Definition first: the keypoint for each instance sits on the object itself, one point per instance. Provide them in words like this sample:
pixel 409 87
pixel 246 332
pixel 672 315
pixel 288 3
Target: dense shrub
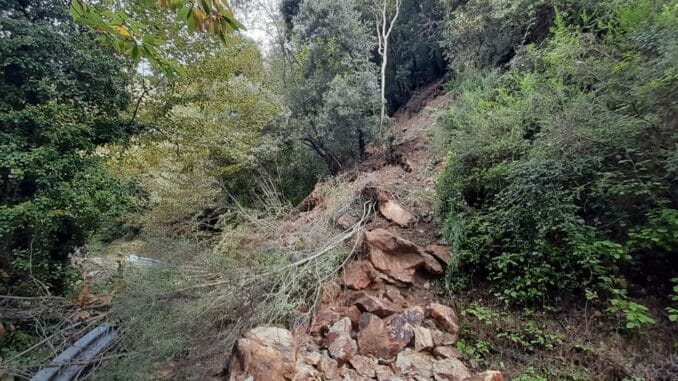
pixel 555 163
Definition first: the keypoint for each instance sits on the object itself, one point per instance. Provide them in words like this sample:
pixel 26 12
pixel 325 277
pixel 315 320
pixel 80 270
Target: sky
pixel 258 18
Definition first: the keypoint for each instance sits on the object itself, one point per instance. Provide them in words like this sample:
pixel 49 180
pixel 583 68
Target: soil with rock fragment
pixel 375 323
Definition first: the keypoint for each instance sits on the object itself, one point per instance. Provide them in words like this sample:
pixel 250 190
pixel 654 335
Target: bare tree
pixel 384 23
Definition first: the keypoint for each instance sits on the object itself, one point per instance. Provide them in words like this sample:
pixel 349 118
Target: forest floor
pixel 565 343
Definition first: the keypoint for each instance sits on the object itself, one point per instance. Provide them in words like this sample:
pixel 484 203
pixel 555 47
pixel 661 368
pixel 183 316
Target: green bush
pixel 556 163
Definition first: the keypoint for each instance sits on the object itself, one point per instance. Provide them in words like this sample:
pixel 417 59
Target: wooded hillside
pixel 535 142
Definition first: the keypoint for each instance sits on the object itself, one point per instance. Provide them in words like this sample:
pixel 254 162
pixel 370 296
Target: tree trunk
pixel 331 161
pixel 384 29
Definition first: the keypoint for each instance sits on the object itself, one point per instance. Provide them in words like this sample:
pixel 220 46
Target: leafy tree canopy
pixel 61 94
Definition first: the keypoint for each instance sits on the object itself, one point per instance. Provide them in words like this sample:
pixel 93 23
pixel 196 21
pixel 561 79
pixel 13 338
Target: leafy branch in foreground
pixel 133 38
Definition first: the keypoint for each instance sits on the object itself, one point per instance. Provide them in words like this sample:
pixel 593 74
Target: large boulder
pixel 394 256
pixel 265 353
pixel 374 338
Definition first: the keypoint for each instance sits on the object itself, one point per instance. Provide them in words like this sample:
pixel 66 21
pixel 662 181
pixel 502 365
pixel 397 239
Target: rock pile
pixel 377 324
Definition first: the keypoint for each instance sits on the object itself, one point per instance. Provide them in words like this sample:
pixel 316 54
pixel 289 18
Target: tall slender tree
pixel 386 14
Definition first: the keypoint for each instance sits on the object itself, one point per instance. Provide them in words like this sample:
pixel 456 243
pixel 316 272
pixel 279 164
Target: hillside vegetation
pixel 157 130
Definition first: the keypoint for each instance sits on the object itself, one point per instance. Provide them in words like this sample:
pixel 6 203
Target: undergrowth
pixel 561 168
pixel 260 270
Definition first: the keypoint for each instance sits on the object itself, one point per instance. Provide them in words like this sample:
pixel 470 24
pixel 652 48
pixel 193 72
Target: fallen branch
pixel 348 234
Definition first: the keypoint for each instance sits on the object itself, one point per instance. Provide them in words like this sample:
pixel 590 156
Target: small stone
pixel 364 366
pixel 392 210
pixel 305 373
pixel 447 352
pixel 440 252
pixel 450 370
pixel 329 367
pixel 323 321
pixel 432 265
pixel 394 295
pixel 313 358
pixel 414 315
pixel 422 339
pixel 349 374
pixel 444 316
pixel 490 375
pixel 385 373
pixel 353 313
pixel 443 338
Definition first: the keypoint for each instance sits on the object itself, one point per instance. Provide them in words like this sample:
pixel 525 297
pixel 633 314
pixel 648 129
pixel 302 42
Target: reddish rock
pixel 305 372
pixel 328 367
pixel 400 327
pixel 352 312
pixel 322 321
pixel 340 344
pixel 265 353
pixel 364 366
pixel 374 338
pixel 444 316
pixel 313 358
pixel 440 252
pixel 358 275
pixel 330 293
pixel 447 352
pixel 490 375
pixel 414 315
pixel 377 306
pixel 422 339
pixel 400 332
pixel 385 373
pixel 392 210
pixel 394 295
pixel 349 374
pixel 396 257
pixel 415 364
pixel 432 265
pixel 443 338
pixel 450 370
